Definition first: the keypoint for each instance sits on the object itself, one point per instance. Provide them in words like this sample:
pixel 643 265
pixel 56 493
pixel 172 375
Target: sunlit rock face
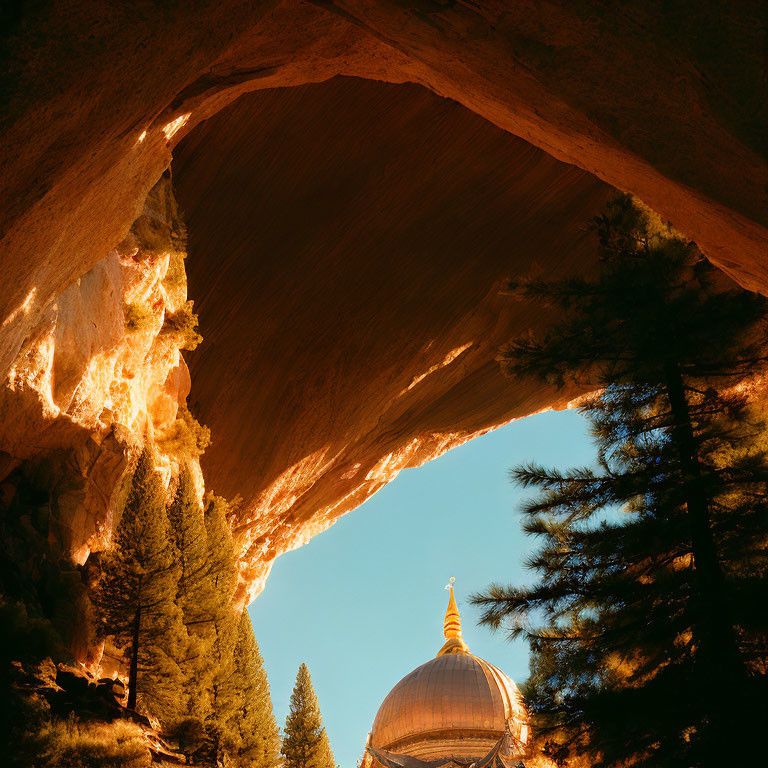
pixel 349 293
pixel 664 100
pixel 669 105
pixel 100 373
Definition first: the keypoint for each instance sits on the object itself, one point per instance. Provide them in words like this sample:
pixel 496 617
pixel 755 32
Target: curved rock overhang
pixel 670 105
pixel 348 242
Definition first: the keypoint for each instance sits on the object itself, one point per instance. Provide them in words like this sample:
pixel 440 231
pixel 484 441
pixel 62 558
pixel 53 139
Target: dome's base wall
pixel 462 745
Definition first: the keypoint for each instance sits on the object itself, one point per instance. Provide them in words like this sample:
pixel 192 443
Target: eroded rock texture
pixel 664 100
pixel 388 228
pixel 100 373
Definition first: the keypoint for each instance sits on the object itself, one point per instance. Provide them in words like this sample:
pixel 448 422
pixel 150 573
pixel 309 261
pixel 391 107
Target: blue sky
pixel 363 603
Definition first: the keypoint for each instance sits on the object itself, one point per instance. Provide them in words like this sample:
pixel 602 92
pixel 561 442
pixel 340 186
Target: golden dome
pixel 455 705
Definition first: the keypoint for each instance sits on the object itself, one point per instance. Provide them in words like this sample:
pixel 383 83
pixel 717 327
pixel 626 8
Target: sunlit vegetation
pixel 186 438
pixel 136 596
pixel 163 597
pixel 138 316
pixel 181 325
pixel 175 278
pixel 166 596
pixel 156 604
pixel 68 743
pixel 647 621
pixel 305 742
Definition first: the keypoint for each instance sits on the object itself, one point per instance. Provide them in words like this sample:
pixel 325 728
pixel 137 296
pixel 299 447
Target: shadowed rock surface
pixel 349 292
pixel 664 100
pixel 359 353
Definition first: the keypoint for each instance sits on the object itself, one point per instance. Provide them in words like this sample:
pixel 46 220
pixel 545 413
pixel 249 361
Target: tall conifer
pixel 305 742
pixel 647 625
pixel 187 520
pixel 199 600
pixel 136 595
pixel 222 580
pixel 253 719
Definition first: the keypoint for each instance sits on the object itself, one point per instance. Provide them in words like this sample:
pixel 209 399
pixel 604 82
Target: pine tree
pixel 252 720
pixel 136 595
pixel 187 520
pixel 222 578
pixel 221 573
pixel 305 743
pixel 199 601
pixel 647 625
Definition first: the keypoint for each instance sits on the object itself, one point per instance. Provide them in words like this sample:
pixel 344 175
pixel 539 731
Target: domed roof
pixel 456 692
pixel 456 704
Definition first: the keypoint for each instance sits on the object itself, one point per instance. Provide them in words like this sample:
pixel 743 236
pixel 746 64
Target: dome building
pixel 456 708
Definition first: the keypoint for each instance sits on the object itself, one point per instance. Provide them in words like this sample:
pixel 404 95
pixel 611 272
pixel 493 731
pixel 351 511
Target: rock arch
pixel 668 104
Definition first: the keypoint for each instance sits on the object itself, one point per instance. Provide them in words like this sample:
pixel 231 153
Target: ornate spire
pixel 452 623
pixel 454 642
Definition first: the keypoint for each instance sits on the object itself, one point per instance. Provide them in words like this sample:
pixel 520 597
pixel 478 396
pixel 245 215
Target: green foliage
pixel 181 325
pixel 175 277
pixel 253 722
pixel 71 744
pixel 212 693
pixel 137 315
pixel 222 554
pixel 193 663
pixel 162 594
pixel 192 739
pixel 136 596
pixel 305 743
pixel 220 655
pixel 195 592
pixel 186 439
pixel 42 739
pixel 198 600
pixel 648 642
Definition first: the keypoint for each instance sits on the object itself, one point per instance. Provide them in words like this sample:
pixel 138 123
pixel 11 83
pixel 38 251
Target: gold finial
pixel 452 623
pixel 454 642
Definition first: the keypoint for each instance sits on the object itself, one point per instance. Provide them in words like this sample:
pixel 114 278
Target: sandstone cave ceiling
pixel 331 190
pixel 89 118
pixel 347 245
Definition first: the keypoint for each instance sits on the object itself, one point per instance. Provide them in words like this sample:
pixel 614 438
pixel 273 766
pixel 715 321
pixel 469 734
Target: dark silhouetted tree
pixel 648 620
pixel 305 742
pixel 136 596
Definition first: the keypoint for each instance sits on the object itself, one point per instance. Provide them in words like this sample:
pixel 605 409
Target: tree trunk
pixel 718 643
pixel 133 672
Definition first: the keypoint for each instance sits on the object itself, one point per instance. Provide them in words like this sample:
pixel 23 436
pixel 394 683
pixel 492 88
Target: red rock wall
pixel 348 294
pixel 100 373
pixel 667 100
